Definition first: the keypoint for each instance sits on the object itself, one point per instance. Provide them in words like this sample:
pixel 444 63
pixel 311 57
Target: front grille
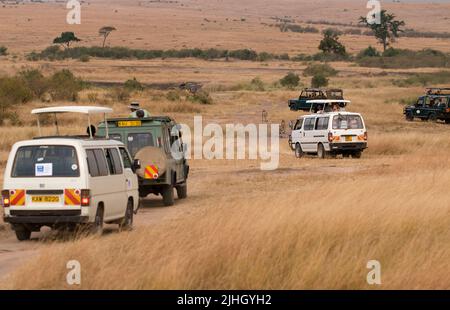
pixel 45 212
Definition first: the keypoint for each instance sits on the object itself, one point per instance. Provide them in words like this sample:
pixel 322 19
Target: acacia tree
pixel 387 30
pixel 330 43
pixel 66 39
pixel 105 32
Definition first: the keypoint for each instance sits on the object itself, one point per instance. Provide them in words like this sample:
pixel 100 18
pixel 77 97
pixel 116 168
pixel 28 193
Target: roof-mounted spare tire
pixel 151 156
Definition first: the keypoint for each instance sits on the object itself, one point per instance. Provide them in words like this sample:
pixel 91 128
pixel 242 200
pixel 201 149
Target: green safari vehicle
pixel 157 143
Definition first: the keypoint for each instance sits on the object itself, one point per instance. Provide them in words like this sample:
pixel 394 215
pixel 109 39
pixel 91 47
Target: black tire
pixel 356 154
pixel 432 117
pixel 127 221
pixel 168 196
pixel 447 121
pixel 298 151
pixel 290 144
pixel 409 117
pixel 182 191
pixel 22 233
pixel 346 155
pixel 97 226
pixel 321 153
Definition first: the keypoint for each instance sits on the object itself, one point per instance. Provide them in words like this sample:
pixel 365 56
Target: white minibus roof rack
pixel 327 102
pixel 88 110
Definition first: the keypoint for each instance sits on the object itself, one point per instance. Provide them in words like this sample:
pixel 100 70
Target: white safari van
pixel 330 134
pixel 62 182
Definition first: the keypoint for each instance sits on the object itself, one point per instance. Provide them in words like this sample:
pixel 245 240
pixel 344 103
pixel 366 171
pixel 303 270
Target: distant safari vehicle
pixel 329 134
pixel 152 141
pixel 68 181
pixel 308 94
pixel 433 106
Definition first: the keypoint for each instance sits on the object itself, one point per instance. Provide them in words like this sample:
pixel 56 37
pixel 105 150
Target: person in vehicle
pixel 134 108
pixel 91 129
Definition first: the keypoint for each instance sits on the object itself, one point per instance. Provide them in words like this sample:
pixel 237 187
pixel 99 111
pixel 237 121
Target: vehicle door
pixel 171 136
pixel 297 131
pixel 131 180
pixel 321 131
pixel 308 142
pixel 104 188
pixel 117 182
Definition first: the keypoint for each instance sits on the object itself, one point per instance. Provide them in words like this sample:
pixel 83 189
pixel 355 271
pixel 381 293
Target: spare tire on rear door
pixel 151 156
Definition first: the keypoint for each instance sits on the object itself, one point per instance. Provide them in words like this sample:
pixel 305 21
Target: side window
pixel 125 158
pixel 167 143
pixel 309 123
pixel 322 123
pixel 299 124
pixel 96 162
pixel 92 163
pixel 114 153
pixel 101 162
pixel 109 161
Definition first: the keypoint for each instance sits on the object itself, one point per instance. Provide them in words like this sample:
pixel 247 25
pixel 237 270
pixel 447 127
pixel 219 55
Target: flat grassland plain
pixel 311 223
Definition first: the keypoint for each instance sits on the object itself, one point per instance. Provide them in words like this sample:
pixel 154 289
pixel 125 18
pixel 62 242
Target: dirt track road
pixel 14 253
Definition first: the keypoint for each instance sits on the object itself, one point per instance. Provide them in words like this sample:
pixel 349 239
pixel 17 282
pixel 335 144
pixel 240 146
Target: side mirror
pixel 136 164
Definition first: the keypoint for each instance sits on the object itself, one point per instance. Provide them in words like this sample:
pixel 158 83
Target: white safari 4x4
pixel 330 134
pixel 62 182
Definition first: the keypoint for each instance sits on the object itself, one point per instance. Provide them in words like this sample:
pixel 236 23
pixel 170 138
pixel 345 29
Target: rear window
pixel 46 161
pixel 347 122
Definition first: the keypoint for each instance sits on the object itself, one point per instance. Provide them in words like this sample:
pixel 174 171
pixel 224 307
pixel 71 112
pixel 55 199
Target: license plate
pixel 348 138
pixel 45 199
pixel 129 124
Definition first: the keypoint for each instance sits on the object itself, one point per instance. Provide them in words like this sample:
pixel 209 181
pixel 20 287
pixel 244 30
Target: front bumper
pixel 351 146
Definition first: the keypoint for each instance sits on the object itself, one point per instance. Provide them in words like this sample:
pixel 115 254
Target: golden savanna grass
pixel 314 235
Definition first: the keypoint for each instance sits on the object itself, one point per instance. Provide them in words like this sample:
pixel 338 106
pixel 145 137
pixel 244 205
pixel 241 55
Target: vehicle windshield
pixel 46 161
pixel 347 122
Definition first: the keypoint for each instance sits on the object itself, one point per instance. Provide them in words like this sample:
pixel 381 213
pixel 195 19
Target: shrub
pixel 257 84
pixel 63 85
pixel 85 58
pixel 369 52
pixel 13 91
pixel 35 81
pixel 3 51
pixel 290 80
pixel 400 58
pixel 201 97
pixel 173 95
pixel 319 80
pixel 324 69
pixel 244 54
pixel 133 85
pixel 330 43
pixel 424 79
pixel 265 56
pixel 119 94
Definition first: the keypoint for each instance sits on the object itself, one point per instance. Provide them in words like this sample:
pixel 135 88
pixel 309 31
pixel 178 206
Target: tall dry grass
pixel 319 236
